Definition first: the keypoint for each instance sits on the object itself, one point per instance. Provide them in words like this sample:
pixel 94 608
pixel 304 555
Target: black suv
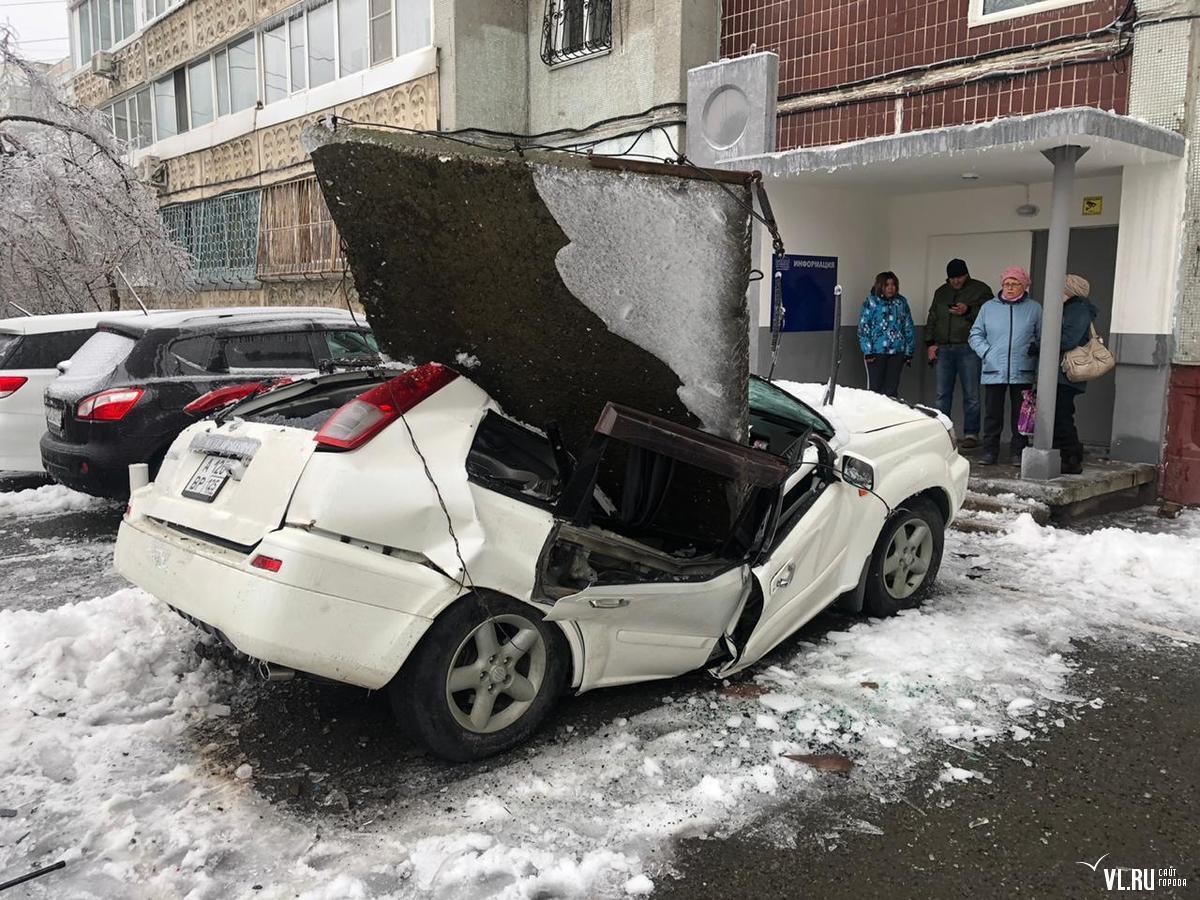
pixel 129 391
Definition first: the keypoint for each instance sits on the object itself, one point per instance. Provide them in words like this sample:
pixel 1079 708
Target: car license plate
pixel 208 480
pixel 54 417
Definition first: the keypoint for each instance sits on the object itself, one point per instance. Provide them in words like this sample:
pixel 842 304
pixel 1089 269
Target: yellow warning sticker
pixel 1093 206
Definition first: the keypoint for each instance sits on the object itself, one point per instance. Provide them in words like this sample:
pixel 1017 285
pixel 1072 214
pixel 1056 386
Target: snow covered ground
pixel 99 757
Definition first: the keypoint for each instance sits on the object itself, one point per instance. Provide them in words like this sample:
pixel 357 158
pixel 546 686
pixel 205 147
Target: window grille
pixel 298 237
pixel 573 29
pixel 221 235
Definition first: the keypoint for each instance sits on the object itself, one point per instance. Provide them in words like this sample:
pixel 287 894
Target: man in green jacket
pixel 951 314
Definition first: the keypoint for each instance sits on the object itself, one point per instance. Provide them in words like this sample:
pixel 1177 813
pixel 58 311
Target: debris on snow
pixel 823 762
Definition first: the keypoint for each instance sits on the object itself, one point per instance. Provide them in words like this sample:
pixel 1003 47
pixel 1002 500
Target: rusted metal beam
pixel 642 167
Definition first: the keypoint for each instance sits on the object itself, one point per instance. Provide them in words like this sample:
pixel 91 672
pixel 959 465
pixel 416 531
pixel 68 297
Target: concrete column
pixel 1040 461
pixel 731 113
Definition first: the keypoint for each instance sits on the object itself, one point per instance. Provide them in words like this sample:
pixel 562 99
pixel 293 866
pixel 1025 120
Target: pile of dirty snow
pixel 49 499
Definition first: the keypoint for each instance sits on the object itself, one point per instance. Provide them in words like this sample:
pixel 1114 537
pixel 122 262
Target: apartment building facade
pixel 898 134
pixel 212 98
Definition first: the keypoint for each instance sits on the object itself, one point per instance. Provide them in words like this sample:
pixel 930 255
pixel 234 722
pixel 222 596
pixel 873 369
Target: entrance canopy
pixel 1007 150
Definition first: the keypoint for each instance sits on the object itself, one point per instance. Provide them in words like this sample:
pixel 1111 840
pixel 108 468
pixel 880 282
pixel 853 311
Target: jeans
pixel 959 361
pixel 883 373
pixel 993 418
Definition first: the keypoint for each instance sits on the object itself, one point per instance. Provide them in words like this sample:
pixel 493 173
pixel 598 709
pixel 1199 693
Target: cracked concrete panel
pixel 572 286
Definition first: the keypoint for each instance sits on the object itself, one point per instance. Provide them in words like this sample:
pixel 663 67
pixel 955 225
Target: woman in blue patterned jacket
pixel 885 334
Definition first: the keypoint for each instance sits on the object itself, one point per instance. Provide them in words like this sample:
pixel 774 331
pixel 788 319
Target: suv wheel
pixel 905 562
pixel 477 685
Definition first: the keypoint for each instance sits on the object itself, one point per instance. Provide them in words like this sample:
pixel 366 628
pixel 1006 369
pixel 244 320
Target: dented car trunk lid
pixel 231 482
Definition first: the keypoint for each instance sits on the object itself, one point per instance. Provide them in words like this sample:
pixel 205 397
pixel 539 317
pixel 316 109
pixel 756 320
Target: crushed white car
pixel 403 533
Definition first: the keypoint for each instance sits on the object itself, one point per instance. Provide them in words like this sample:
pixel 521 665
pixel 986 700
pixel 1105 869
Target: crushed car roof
pixel 229 317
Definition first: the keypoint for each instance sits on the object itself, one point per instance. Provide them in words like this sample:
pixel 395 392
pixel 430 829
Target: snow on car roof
pixel 64 321
pixel 233 315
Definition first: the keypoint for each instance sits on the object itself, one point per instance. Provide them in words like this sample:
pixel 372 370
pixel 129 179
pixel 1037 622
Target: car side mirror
pixel 63 366
pixel 858 472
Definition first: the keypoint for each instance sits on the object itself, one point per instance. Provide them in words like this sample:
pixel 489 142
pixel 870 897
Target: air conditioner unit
pixel 103 65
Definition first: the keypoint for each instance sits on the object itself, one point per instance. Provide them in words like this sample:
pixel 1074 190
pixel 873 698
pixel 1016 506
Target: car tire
pixel 435 697
pixel 906 558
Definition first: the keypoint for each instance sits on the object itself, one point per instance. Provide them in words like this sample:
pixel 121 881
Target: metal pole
pixel 1040 461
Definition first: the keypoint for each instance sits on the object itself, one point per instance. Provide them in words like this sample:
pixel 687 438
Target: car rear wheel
pixel 481 682
pixel 906 559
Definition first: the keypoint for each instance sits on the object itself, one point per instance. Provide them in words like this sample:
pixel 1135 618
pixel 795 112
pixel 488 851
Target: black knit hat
pixel 956 268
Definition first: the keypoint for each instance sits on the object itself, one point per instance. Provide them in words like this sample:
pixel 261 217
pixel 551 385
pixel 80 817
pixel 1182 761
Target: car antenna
pixel 19 308
pixel 136 298
pixel 837 345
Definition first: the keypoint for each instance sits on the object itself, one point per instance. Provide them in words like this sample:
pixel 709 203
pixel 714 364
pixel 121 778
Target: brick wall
pixel 824 45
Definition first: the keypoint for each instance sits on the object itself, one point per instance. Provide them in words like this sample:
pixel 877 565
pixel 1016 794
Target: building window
pixel 130 119
pixel 298 237
pixel 414 25
pixel 381 31
pixel 164 108
pixel 221 236
pixel 275 61
pixel 200 93
pixel 352 36
pixel 322 44
pixel 101 24
pixel 155 8
pixel 983 12
pixel 298 58
pixel 573 29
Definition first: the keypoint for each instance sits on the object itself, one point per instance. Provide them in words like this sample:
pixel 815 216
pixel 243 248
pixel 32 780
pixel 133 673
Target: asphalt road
pixel 1123 780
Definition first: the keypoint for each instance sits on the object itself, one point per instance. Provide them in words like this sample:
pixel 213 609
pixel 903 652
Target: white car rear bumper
pixel 359 641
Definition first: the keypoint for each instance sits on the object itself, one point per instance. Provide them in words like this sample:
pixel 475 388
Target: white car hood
pixel 854 411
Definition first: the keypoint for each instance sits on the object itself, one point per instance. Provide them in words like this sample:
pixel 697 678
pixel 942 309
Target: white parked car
pixel 404 534
pixel 31 348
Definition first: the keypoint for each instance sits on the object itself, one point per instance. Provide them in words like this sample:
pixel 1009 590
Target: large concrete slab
pixel 553 283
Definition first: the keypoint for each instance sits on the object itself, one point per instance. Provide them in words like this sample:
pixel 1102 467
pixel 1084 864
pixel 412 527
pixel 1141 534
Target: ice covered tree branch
pixel 72 209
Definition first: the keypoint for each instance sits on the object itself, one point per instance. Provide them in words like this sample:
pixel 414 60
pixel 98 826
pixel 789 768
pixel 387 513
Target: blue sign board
pixel 807 287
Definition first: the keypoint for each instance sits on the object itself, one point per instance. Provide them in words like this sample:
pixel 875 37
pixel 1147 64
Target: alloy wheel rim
pixel 496 673
pixel 908 558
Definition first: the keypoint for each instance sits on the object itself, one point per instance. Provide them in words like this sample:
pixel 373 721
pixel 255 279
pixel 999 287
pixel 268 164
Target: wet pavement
pixel 1123 779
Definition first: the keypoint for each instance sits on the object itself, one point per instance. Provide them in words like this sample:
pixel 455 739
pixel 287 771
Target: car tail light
pixel 267 563
pixel 108 406
pixel 218 397
pixel 9 384
pixel 369 413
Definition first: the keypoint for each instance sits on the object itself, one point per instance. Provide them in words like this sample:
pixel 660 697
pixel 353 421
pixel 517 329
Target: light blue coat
pixel 1001 337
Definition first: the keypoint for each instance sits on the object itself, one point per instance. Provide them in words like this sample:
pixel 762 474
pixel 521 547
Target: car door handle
pixel 607 602
pixel 783 577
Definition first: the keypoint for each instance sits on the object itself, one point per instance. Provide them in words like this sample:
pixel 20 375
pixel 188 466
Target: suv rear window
pixel 42 351
pixel 99 355
pixel 274 350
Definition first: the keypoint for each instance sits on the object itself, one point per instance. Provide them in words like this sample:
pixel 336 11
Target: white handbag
pixel 1090 361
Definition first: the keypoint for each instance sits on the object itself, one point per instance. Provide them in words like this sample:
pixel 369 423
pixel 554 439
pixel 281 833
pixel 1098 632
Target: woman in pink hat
pixel 1004 336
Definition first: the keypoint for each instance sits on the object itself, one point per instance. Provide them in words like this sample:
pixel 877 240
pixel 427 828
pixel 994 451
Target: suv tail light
pixel 108 406
pixel 218 397
pixel 9 384
pixel 369 413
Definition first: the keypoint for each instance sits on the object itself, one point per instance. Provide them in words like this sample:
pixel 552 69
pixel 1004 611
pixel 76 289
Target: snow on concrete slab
pixel 49 499
pixel 96 755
